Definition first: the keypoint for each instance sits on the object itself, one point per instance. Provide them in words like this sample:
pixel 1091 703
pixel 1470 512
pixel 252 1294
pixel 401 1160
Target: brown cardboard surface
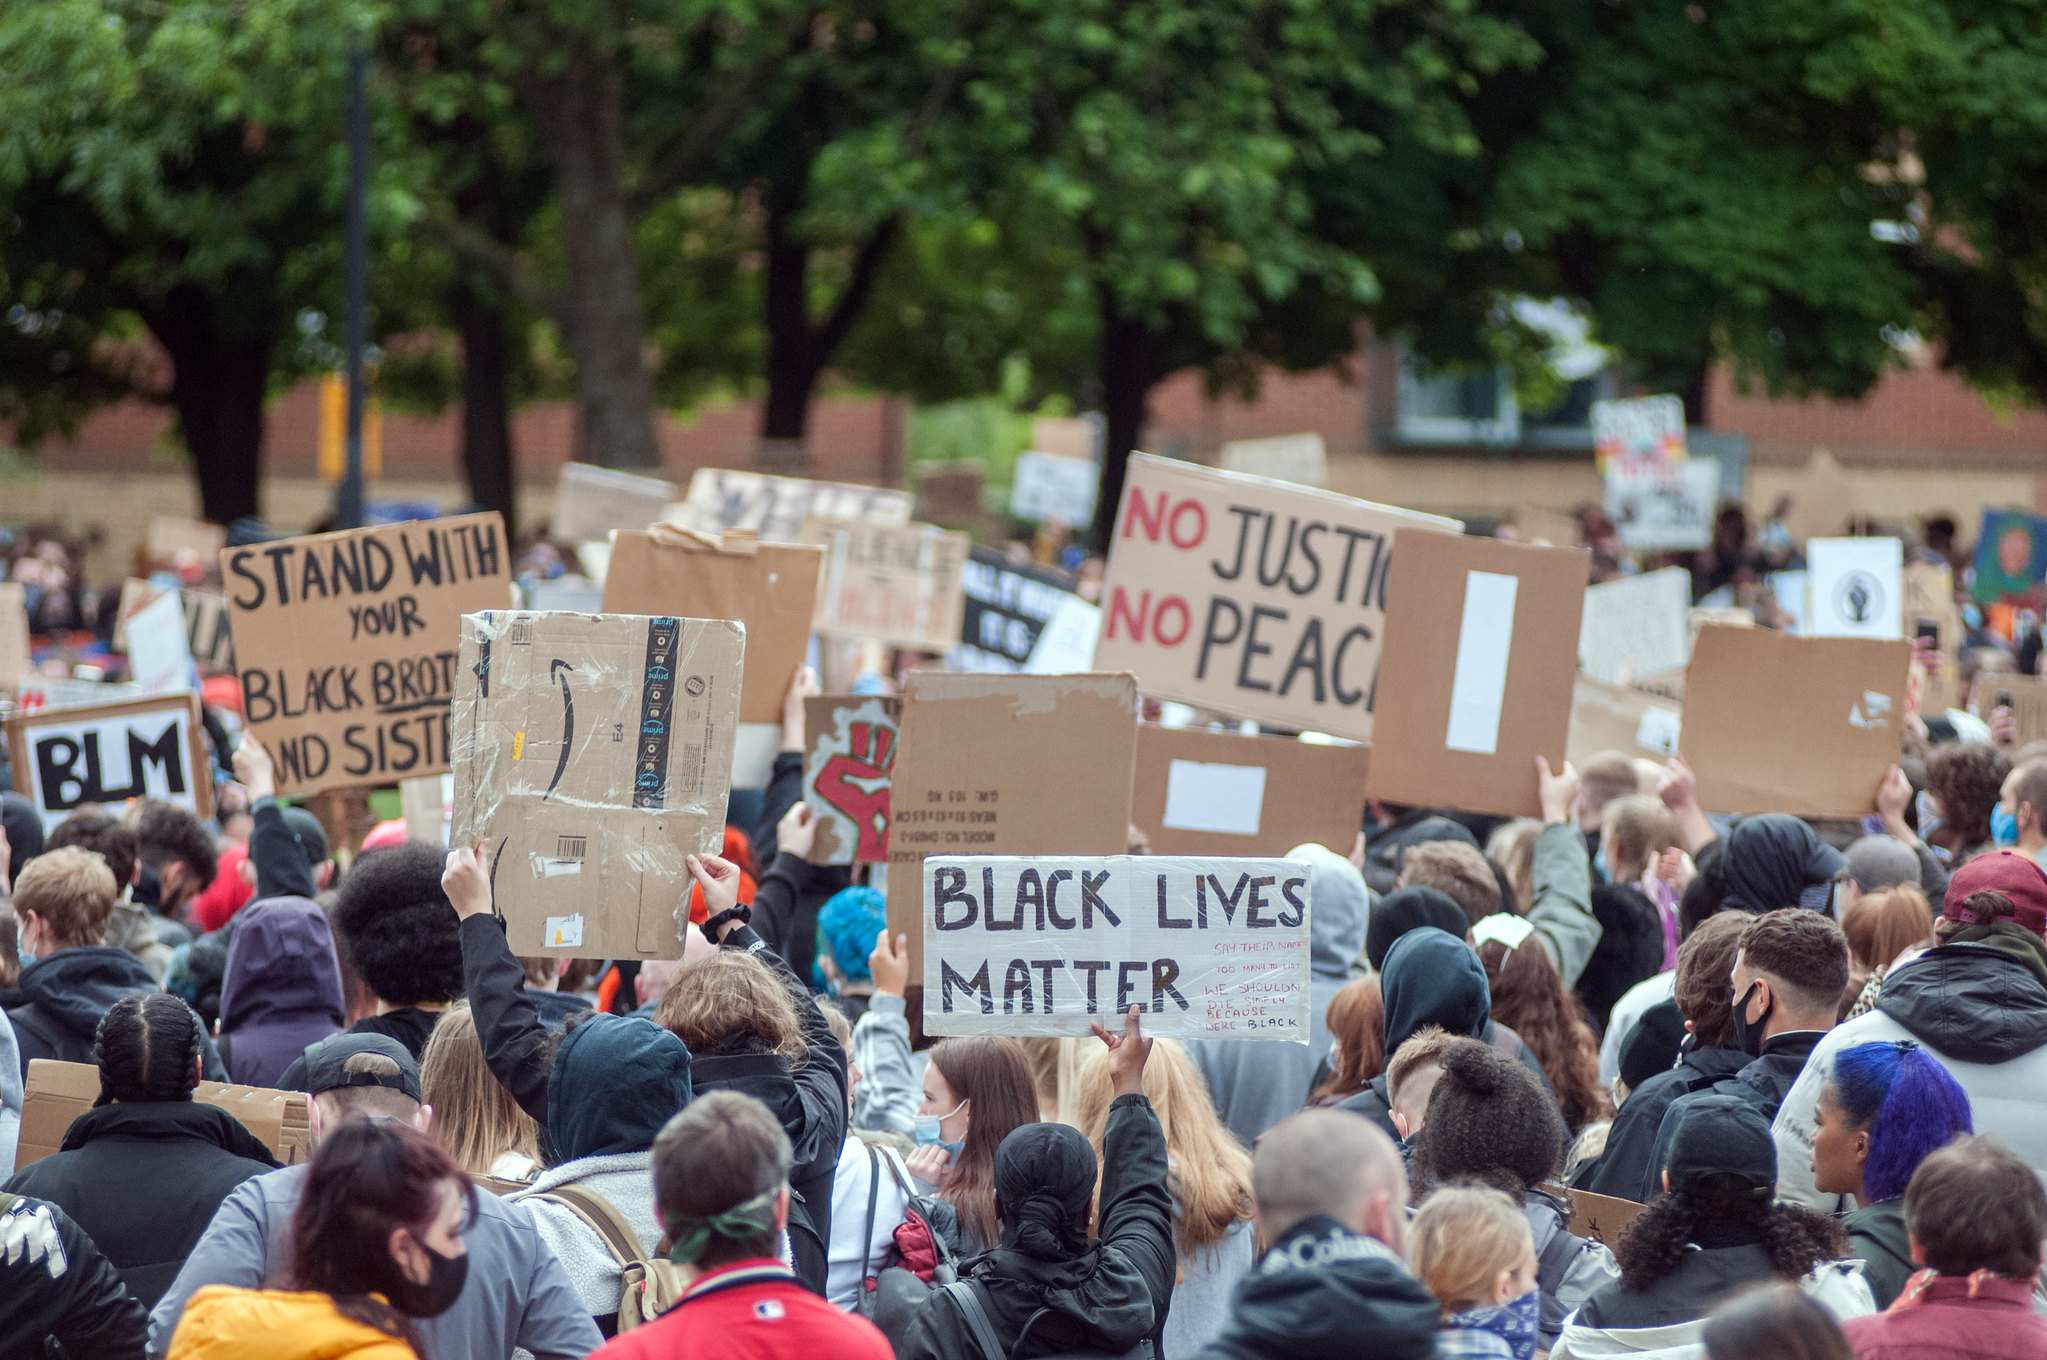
pixel 769 587
pixel 1612 718
pixel 1006 765
pixel 775 507
pixel 1066 437
pixel 593 752
pixel 2028 695
pixel 1312 793
pixel 1822 500
pixel 589 502
pixel 1928 592
pixel 1808 726
pixel 1553 528
pixel 899 585
pixel 346 644
pixel 14 651
pixel 851 740
pixel 1412 761
pixel 1940 687
pixel 1601 1217
pixel 91 748
pixel 1187 610
pixel 207 630
pixel 168 536
pixel 59 1092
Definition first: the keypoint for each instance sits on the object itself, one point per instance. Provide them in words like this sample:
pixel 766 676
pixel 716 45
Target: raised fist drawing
pixel 855 783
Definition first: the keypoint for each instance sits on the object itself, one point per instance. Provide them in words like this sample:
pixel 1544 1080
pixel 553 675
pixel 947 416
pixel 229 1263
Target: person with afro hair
pixel 1489 1121
pixel 402 938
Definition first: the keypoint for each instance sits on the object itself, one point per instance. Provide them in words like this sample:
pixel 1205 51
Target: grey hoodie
pixel 1256 1084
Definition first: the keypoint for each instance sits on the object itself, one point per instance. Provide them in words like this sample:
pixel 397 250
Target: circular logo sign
pixel 1859 598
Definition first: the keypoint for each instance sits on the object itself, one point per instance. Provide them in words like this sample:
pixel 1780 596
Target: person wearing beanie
pixel 1976 1002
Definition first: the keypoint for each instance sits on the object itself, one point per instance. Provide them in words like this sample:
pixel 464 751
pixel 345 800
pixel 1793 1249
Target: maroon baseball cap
pixel 2005 871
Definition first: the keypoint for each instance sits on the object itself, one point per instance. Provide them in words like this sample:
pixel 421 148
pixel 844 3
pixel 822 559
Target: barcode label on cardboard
pixel 571 847
pixel 522 633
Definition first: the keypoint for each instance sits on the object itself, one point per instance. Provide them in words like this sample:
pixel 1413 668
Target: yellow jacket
pixel 253 1324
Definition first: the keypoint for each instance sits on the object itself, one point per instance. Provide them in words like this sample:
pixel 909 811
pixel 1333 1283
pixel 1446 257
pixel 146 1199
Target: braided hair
pixel 147 1047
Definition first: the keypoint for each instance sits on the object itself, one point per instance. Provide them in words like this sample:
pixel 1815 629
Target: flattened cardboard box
pixel 1006 765
pixel 1480 654
pixel 1620 718
pixel 1806 726
pixel 1218 793
pixel 59 1092
pixel 592 752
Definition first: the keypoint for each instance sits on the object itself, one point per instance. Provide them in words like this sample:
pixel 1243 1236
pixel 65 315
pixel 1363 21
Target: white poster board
pixel 1640 625
pixel 1048 487
pixel 66 759
pixel 1638 434
pixel 1854 585
pixel 1664 511
pixel 1049 944
pixel 159 649
pixel 1067 644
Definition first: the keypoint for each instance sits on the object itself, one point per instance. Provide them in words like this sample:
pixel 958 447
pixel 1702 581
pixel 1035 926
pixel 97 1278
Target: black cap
pixel 312 837
pixel 1722 1136
pixel 324 1066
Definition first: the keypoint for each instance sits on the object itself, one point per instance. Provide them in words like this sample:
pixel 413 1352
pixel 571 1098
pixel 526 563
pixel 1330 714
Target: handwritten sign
pixel 846 774
pixel 1250 597
pixel 1637 625
pixel 1049 944
pixel 899 585
pixel 1638 434
pixel 1664 510
pixel 69 758
pixel 347 644
pixel 590 502
pixel 775 507
pixel 1048 487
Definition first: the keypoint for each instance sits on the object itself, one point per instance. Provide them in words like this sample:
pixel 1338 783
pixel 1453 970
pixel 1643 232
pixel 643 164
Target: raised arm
pixel 507 1022
pixel 278 858
pixel 1137 1208
pixel 1562 908
pixel 887 1096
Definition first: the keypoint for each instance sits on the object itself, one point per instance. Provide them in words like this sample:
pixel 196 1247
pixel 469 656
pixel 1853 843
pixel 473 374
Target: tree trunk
pixel 580 113
pixel 486 404
pixel 798 351
pixel 1133 360
pixel 218 390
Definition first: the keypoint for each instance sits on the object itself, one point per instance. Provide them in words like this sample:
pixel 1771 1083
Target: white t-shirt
pixel 848 1258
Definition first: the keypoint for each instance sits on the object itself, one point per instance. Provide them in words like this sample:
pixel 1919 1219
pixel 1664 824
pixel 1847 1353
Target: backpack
pixel 647 1286
pixel 1553 1265
pixel 919 1258
pixel 966 1296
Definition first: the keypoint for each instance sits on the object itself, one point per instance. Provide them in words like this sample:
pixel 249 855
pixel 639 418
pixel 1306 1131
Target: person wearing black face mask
pixel 377 1242
pixel 1790 969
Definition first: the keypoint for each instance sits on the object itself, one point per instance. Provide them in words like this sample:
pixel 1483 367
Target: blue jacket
pixel 517 1294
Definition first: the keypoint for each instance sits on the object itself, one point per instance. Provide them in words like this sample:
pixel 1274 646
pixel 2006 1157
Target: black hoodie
pixel 1324 1293
pixel 67 992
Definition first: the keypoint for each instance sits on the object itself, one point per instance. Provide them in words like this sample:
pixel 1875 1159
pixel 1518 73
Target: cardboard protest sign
pixel 1006 765
pixel 1075 437
pixel 774 508
pixel 1048 487
pixel 1601 1217
pixel 207 634
pixel 69 758
pixel 169 535
pixel 772 588
pixel 1822 500
pixel 1006 606
pixel 59 1092
pixel 590 502
pixel 1250 597
pixel 346 644
pixel 15 656
pixel 159 653
pixel 1300 458
pixel 1807 726
pixel 592 752
pixel 1615 718
pixel 1219 793
pixel 852 748
pixel 1853 586
pixel 2011 558
pixel 1664 510
pixel 899 585
pixel 1939 686
pixel 1209 948
pixel 2024 695
pixel 1550 527
pixel 1637 625
pixel 1638 434
pixel 1928 597
pixel 1481 651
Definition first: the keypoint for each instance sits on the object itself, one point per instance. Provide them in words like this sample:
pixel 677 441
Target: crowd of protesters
pixel 1624 1079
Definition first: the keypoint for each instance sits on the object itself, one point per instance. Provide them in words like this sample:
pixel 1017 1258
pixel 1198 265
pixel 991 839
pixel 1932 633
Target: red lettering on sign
pixel 1155 517
pixel 1135 621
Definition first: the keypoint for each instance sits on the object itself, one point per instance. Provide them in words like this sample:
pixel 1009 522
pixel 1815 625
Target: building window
pixel 1458 406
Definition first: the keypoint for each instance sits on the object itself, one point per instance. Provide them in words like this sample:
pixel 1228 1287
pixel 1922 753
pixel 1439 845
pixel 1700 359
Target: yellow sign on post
pixel 333 451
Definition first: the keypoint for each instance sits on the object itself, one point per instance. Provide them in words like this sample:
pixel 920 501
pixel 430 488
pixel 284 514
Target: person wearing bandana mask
pixel 1790 969
pixel 1472 1248
pixel 377 1243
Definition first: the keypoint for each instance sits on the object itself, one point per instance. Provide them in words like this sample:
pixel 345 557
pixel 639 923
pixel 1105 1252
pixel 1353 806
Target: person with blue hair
pixel 1884 1108
pixel 848 924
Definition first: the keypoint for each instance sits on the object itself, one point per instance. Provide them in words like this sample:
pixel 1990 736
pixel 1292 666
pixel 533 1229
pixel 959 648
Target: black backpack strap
pixel 1555 1261
pixel 966 1296
pixel 873 1198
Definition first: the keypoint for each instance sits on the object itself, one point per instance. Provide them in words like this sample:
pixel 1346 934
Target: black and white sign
pixel 66 759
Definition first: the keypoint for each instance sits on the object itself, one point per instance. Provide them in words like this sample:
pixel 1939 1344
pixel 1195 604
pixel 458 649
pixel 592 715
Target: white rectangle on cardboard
pixel 1048 487
pixel 111 755
pixel 1853 585
pixel 1636 626
pixel 1484 638
pixel 1050 944
pixel 1203 796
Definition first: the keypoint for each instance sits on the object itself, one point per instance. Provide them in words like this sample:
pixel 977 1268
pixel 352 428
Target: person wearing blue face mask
pixel 2019 821
pixel 1472 1249
pixel 976 1090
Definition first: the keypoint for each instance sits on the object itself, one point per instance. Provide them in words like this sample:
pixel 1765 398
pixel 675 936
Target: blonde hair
pixel 731 1002
pixel 1462 1239
pixel 476 1120
pixel 1641 828
pixel 72 890
pixel 1211 1181
pixel 1512 847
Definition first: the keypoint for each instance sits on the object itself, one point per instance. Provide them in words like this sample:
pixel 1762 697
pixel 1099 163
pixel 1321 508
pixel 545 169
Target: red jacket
pixel 750 1310
pixel 1953 1319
